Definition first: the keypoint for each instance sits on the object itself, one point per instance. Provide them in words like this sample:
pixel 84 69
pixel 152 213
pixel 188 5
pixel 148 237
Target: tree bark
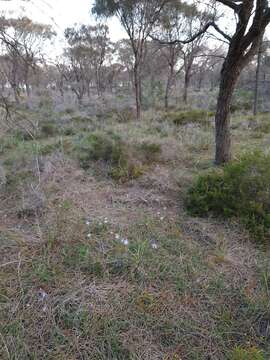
pixel 188 68
pixel 186 87
pixel 229 76
pixel 168 87
pixel 258 73
pixel 137 85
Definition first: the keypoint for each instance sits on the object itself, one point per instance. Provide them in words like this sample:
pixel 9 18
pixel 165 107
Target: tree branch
pixel 231 4
pixel 195 36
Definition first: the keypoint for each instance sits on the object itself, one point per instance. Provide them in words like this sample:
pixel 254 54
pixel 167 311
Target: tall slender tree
pixel 138 17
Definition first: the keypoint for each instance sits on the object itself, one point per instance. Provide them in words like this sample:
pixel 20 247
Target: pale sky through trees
pixel 65 13
pixel 61 14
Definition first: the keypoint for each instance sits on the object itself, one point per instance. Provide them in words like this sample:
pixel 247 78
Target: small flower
pixel 125 242
pixel 42 295
pixel 117 236
pixel 106 221
pixel 89 236
pixel 154 245
pixel 162 218
pixel 87 223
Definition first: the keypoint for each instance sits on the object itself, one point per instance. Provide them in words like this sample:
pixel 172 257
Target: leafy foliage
pixel 247 354
pixel 190 117
pixel 241 190
pixel 110 149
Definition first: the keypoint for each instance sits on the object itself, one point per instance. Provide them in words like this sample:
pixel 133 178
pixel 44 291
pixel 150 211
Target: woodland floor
pixel 95 269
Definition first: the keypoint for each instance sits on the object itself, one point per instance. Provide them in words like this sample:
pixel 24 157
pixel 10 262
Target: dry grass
pixel 111 271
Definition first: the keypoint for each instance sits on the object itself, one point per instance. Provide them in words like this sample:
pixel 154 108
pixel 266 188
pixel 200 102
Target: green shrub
pixel 8 142
pixel 150 151
pixel 200 117
pixel 49 130
pixel 246 354
pixel 123 116
pixel 260 125
pixel 122 174
pixel 69 111
pixel 110 149
pixel 23 135
pixel 69 131
pixel 47 149
pixel 241 190
pixel 100 146
pixel 242 101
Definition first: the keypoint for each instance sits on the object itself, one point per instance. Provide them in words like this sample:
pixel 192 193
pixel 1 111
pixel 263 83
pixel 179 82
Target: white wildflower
pixel 125 242
pixel 87 223
pixel 42 295
pixel 117 236
pixel 89 235
pixel 154 245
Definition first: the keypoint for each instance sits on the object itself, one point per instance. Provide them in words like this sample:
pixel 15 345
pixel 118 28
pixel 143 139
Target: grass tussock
pixel 109 149
pixel 198 117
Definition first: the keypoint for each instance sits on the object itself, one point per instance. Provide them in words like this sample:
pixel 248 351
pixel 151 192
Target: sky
pixel 61 14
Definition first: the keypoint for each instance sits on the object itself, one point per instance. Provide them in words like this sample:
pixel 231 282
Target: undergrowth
pixel 240 190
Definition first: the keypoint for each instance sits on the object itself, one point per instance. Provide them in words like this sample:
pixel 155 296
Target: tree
pixel 252 18
pixel 178 20
pixel 93 44
pixel 23 49
pixel 138 17
pixel 257 80
pixel 125 57
pixel 189 53
pixel 170 26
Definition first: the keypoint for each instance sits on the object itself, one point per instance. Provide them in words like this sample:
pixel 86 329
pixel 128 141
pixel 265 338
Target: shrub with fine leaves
pixel 240 190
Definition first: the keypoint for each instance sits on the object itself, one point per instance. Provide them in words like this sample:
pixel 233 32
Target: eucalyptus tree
pixel 251 19
pixel 93 42
pixel 178 21
pixel 138 18
pixel 23 50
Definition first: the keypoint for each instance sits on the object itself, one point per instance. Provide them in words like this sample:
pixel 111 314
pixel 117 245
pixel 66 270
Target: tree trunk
pixel 258 73
pixel 16 94
pixel 168 87
pixel 28 91
pixel 186 88
pixel 27 86
pixel 137 85
pixel 229 77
